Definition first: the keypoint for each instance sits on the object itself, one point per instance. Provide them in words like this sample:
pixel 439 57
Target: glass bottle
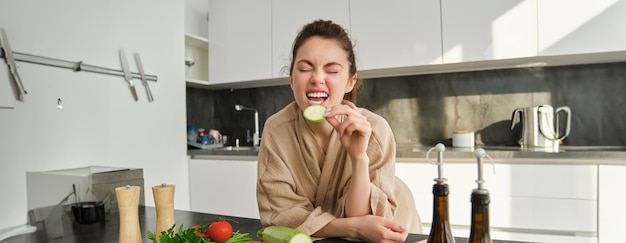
pixel 440 231
pixel 479 229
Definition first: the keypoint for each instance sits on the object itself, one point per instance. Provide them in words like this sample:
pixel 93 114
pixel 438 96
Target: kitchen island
pixel 567 196
pixel 108 231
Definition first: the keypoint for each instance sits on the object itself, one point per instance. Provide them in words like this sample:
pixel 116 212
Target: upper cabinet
pixel 196 42
pixel 289 16
pixel 249 43
pixel 488 29
pixel 581 26
pixel 240 41
pixel 391 34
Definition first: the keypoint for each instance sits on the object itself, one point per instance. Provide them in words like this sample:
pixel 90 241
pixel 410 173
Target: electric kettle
pixel 540 126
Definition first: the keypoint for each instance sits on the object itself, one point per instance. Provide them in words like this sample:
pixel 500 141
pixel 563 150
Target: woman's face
pixel 321 73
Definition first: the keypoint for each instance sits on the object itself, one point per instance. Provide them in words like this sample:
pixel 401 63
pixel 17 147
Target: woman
pixel 334 178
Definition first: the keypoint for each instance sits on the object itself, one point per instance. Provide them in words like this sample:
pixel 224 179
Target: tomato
pixel 220 231
pixel 199 231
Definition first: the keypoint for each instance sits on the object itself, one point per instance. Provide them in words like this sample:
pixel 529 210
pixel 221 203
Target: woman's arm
pixel 369 228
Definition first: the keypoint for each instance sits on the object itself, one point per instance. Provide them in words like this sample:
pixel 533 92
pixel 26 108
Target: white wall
pixel 100 123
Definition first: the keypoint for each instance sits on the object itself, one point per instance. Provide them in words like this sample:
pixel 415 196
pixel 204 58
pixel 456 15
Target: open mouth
pixel 317 97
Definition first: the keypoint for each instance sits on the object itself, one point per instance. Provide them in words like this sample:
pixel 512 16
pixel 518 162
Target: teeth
pixel 317 95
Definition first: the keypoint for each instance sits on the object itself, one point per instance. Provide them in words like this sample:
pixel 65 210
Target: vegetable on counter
pixel 280 234
pixel 220 231
pixel 201 234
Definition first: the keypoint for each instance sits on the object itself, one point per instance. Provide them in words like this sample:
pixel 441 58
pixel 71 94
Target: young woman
pixel 334 178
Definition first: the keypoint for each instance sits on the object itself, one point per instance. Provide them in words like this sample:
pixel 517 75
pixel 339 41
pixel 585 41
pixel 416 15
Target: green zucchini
pixel 315 113
pixel 280 234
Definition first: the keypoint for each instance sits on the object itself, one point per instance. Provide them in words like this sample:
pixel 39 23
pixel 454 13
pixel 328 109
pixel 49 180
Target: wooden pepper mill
pixel 128 205
pixel 164 203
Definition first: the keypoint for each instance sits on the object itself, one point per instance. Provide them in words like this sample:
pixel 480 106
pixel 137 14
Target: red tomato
pixel 220 231
pixel 199 231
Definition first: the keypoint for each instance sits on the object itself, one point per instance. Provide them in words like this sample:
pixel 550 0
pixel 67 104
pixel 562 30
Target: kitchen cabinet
pixel 581 26
pixel 488 29
pixel 250 41
pixel 196 60
pixel 240 41
pixel 288 17
pixel 612 214
pixel 223 186
pixel 196 43
pixel 529 202
pixel 391 34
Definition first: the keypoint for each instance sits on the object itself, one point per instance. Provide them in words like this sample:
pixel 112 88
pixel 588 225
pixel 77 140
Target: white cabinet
pixel 612 213
pixel 240 41
pixel 581 26
pixel 196 60
pixel 529 202
pixel 288 17
pixel 391 34
pixel 488 29
pixel 196 43
pixel 223 187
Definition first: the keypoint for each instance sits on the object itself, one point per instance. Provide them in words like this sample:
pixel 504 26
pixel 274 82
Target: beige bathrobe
pixel 300 186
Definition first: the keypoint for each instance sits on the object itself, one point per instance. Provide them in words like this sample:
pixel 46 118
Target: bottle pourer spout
pixel 440 149
pixel 480 154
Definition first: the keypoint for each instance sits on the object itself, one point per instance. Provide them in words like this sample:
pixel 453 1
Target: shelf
pixel 197 49
pixel 196 41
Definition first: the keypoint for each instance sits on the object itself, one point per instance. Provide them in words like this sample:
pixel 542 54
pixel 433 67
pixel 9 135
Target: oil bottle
pixel 479 229
pixel 440 231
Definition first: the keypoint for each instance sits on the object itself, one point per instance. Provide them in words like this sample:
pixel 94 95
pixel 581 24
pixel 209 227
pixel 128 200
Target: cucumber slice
pixel 315 113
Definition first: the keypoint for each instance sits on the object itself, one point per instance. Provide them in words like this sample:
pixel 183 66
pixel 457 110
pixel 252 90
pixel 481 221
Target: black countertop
pixel 108 231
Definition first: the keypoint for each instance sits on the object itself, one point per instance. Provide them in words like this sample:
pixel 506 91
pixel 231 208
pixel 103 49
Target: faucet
pixel 255 136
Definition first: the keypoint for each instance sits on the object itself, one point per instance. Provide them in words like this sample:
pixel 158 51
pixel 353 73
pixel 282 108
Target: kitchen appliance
pixel 540 126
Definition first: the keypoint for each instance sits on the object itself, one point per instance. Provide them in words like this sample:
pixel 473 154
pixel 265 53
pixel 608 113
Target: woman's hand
pixel 378 229
pixel 353 128
pixel 368 228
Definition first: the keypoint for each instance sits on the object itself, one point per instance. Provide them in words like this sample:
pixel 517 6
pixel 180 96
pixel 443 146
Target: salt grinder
pixel 164 203
pixel 128 205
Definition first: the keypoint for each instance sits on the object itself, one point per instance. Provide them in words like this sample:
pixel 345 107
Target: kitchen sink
pixel 239 148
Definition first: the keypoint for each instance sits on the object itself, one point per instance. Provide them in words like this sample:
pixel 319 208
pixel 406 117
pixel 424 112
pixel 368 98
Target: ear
pixel 291 82
pixel 351 82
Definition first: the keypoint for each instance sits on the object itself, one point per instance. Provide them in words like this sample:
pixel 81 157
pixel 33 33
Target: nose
pixel 318 77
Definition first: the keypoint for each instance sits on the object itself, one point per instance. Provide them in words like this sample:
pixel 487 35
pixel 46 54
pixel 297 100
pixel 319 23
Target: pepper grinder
pixel 128 206
pixel 164 203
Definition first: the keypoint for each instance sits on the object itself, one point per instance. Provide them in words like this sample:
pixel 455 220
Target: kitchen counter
pixel 108 231
pixel 610 155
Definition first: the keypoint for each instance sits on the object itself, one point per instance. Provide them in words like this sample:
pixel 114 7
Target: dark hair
pixel 327 29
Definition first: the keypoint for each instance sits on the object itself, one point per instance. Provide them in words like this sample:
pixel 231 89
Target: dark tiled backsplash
pixel 426 109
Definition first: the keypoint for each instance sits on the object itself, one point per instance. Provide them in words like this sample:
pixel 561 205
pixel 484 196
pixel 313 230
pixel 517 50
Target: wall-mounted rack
pixel 11 57
pixel 76 66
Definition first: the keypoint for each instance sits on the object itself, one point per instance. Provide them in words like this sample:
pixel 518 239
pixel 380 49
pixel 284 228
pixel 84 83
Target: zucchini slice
pixel 315 113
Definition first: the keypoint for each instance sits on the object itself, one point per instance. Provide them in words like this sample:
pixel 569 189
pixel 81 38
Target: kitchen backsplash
pixel 426 109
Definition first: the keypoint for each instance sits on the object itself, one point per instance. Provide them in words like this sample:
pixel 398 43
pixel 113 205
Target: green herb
pixel 189 236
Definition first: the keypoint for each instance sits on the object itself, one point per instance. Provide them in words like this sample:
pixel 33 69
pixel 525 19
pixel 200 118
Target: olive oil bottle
pixel 440 231
pixel 479 229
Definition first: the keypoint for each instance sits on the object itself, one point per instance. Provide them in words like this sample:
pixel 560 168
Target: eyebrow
pixel 325 65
